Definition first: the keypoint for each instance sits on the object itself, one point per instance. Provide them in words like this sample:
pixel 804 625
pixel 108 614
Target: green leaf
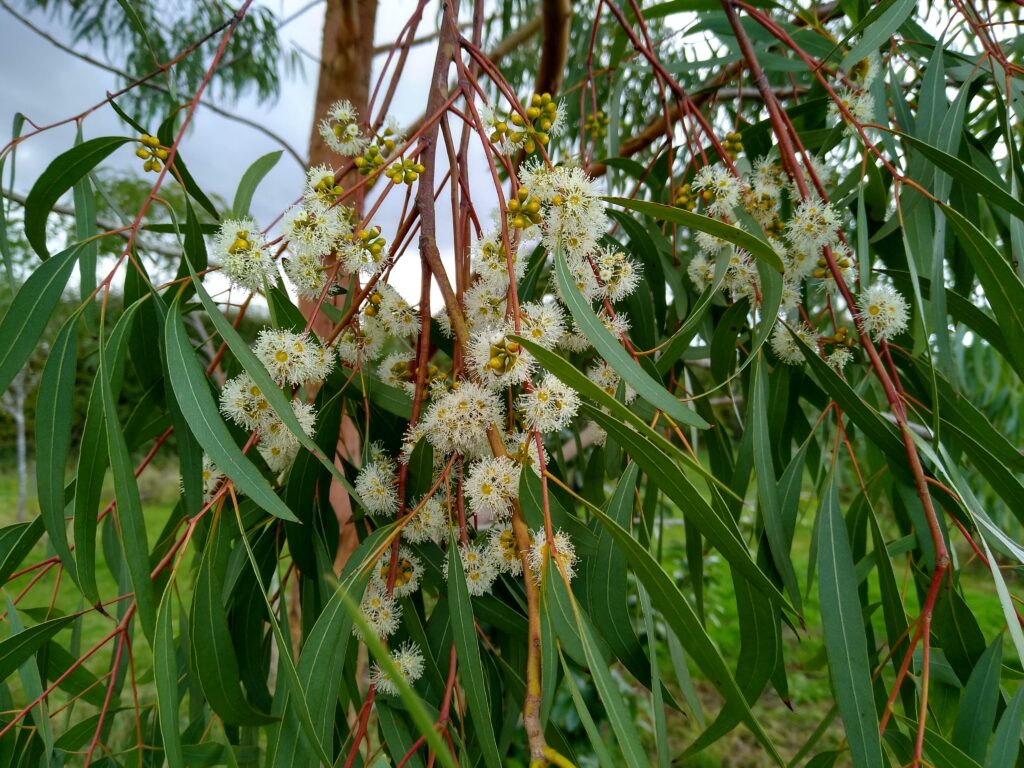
pixel 1006 744
pixel 607 592
pixel 626 736
pixel 423 722
pixel 29 313
pixel 767 485
pixel 681 618
pixel 165 672
pixel 54 416
pixel 32 683
pixel 322 660
pixel 85 228
pixel 677 344
pixel 967 176
pixel 978 704
pixel 715 525
pixel 587 720
pixel 166 135
pixel 757 247
pixel 213 654
pixel 18 648
pixel 843 627
pixel 591 392
pixel 467 649
pixel 615 354
pixel 5 240
pixel 1003 287
pixel 878 25
pixel 250 180
pixel 16 541
pixel 131 523
pixel 93 456
pixel 189 385
pixel 286 663
pixel 59 176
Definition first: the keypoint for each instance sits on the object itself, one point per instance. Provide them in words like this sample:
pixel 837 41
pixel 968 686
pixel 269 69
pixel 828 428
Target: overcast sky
pixel 48 84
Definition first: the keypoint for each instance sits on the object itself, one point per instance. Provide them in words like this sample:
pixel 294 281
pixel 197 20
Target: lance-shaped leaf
pixel 53 436
pixel 467 648
pixel 26 318
pixel 843 625
pixel 131 523
pixel 165 672
pixel 754 245
pixel 615 354
pixel 190 388
pixel 677 612
pixel 60 175
pixel 250 180
pixel 213 654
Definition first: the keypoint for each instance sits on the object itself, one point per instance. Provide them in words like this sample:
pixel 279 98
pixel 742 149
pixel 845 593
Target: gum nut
pixel 142 153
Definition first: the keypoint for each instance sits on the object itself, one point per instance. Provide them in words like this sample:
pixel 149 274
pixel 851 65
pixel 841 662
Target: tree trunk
pixel 346 65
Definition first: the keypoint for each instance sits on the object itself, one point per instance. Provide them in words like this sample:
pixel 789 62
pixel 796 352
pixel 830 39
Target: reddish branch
pixel 783 130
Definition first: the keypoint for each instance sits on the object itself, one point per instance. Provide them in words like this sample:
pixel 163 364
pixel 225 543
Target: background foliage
pixel 758 584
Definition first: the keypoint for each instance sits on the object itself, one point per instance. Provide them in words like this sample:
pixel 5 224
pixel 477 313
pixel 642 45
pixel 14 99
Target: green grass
pixel 55 593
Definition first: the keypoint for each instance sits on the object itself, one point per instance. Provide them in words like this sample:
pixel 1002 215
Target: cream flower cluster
pixel 293 360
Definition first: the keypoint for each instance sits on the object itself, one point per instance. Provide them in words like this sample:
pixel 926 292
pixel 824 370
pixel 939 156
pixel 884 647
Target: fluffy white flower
pixel 701 271
pixel 563 553
pixel 485 306
pixel 582 272
pixel 398 316
pixel 243 254
pixel 358 344
pixel 741 277
pixel 457 421
pixel 242 401
pixel 883 312
pixel 376 488
pixel 491 486
pixel 536 176
pixel 211 476
pixel 399 370
pixel 812 226
pixel 307 274
pixel 575 218
pixel 839 358
pixel 321 186
pixel 550 406
pixel 364 252
pixel 408 572
pixel 607 379
pixel 408 658
pixel 786 348
pixel 542 324
pixel 312 229
pixel 381 610
pixel 289 357
pixel 478 568
pixel 490 261
pixel 429 523
pixel 857 102
pixel 618 273
pixel 340 130
pixel 278 444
